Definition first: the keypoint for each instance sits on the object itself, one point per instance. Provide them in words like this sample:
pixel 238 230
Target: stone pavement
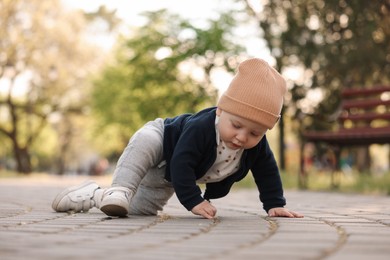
pixel 336 226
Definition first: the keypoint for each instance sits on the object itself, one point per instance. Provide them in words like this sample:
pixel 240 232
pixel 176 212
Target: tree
pixel 152 75
pixel 335 44
pixel 44 62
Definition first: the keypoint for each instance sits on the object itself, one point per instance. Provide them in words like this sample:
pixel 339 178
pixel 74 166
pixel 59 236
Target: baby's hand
pixel 205 209
pixel 283 212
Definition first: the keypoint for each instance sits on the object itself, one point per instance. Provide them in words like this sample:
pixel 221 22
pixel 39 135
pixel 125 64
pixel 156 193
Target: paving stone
pixel 336 226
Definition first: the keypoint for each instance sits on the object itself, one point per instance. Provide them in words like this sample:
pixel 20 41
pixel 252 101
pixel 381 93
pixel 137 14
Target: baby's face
pixel 238 132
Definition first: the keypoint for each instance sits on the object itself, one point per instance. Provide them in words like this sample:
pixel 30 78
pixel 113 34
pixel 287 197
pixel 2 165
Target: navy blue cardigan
pixel 190 149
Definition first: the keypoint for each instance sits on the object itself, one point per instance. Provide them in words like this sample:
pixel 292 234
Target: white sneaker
pixel 116 201
pixel 77 198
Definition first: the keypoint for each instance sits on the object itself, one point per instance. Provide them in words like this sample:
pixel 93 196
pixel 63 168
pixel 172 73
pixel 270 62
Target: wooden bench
pixel 363 119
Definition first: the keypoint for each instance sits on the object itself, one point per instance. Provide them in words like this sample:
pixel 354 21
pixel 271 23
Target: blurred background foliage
pixel 334 44
pixel 68 105
pixel 147 79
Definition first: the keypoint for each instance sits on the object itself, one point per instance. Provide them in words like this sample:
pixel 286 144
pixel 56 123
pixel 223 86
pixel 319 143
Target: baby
pixel 217 147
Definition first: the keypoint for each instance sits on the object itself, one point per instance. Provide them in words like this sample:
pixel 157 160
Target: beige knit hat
pixel 255 93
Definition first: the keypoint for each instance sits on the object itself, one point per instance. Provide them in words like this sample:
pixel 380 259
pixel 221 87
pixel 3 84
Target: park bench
pixel 363 119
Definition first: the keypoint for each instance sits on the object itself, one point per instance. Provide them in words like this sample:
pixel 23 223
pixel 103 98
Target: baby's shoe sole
pixel 114 210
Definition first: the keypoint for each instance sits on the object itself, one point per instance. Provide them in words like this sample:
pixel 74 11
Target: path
pixel 336 226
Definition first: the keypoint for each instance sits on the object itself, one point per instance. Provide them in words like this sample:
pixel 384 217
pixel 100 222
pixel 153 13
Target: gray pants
pixel 138 169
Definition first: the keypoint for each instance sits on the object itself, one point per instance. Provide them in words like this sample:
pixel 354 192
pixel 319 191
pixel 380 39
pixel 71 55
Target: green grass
pixel 6 174
pixel 317 181
pixel 321 181
pixel 9 174
pixel 352 182
pixel 369 184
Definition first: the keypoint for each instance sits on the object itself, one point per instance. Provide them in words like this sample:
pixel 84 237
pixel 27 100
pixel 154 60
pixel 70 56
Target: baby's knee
pixel 142 211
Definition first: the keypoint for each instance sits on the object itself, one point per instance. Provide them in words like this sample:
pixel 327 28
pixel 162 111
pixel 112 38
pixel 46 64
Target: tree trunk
pixel 23 159
pixel 363 160
pixel 282 161
pixel 302 176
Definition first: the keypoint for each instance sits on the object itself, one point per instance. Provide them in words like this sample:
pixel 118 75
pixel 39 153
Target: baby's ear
pixel 219 111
